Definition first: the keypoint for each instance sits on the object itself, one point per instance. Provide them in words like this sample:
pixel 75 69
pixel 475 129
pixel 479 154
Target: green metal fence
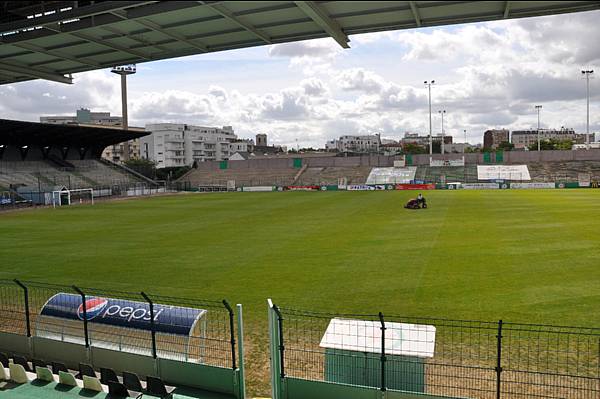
pixel 429 357
pixel 214 345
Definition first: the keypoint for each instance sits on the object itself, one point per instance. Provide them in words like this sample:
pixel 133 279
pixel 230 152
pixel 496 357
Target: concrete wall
pixel 304 389
pixel 174 372
pixel 512 157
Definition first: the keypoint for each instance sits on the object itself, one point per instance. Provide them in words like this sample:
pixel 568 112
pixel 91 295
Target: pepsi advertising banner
pixel 123 313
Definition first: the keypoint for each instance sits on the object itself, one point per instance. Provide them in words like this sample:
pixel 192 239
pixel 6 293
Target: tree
pixel 142 166
pixel 564 145
pixel 506 146
pixel 411 148
pixel 552 144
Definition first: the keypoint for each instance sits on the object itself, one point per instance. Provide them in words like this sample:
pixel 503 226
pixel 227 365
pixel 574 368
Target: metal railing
pixel 212 341
pixel 457 358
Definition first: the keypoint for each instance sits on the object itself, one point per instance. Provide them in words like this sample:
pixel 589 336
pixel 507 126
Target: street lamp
pixel 538 108
pixel 428 84
pixel 587 73
pixel 124 70
pixel 442 112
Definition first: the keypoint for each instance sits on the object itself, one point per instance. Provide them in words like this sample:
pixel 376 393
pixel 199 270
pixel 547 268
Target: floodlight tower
pixel 538 108
pixel 428 84
pixel 124 70
pixel 442 112
pixel 587 74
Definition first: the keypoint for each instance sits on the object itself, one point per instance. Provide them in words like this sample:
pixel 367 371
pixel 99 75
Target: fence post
pixel 281 346
pixel 26 293
pixel 152 329
pixel 231 333
pixel 383 359
pixel 85 320
pixel 273 352
pixel 242 383
pixel 499 360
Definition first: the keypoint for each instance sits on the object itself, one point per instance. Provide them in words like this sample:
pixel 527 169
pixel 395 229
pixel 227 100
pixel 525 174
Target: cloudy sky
pixel 488 75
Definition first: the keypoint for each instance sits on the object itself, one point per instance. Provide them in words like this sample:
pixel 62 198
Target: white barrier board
pixel 503 172
pixel 446 162
pixel 532 185
pixel 259 188
pixel 392 175
pixel 359 187
pixel 480 186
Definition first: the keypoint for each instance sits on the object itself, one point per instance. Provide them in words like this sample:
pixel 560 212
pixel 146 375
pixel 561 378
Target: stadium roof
pixel 53 39
pixel 19 133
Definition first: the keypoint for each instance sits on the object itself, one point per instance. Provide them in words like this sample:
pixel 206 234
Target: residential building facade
pixel 494 137
pixel 524 138
pixel 361 144
pixel 175 144
pixel 414 138
pixel 85 117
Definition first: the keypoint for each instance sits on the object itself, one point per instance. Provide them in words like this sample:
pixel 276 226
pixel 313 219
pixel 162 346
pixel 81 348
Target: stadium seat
pixel 156 387
pixel 3 376
pixel 18 373
pixel 22 361
pixel 92 384
pixel 107 375
pixel 132 382
pixel 85 369
pixel 38 363
pixel 44 374
pixel 117 389
pixel 58 367
pixel 65 378
pixel 4 359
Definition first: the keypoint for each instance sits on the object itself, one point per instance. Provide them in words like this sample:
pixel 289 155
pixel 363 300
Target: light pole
pixel 428 84
pixel 442 112
pixel 538 108
pixel 124 71
pixel 587 73
pixel 465 146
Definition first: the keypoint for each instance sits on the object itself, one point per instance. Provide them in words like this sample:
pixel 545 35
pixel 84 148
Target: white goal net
pixel 72 197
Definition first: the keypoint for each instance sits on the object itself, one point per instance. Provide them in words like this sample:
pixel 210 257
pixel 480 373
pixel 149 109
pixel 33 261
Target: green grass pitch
pixel 519 255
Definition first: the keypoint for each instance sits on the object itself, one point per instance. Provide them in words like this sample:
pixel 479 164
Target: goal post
pixel 71 197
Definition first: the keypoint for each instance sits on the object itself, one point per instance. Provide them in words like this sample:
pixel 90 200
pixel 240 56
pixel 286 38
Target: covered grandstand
pixel 37 158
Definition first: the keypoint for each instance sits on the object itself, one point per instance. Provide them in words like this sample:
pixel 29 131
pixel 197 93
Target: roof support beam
pixel 225 13
pixel 415 11
pixel 137 38
pixel 320 17
pixel 157 28
pixel 507 9
pixel 110 45
pixel 26 70
pixel 58 54
pixel 74 13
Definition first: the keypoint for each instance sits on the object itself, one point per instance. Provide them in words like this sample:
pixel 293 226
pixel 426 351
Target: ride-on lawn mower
pixel 415 203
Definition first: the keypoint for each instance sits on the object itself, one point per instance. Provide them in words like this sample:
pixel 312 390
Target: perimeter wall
pixel 511 157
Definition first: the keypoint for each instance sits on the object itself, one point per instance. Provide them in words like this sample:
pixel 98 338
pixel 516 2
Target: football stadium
pixel 289 275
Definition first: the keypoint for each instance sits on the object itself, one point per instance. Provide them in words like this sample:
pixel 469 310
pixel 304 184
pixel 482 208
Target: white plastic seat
pixel 65 378
pixel 92 384
pixel 18 374
pixel 3 376
pixel 44 374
